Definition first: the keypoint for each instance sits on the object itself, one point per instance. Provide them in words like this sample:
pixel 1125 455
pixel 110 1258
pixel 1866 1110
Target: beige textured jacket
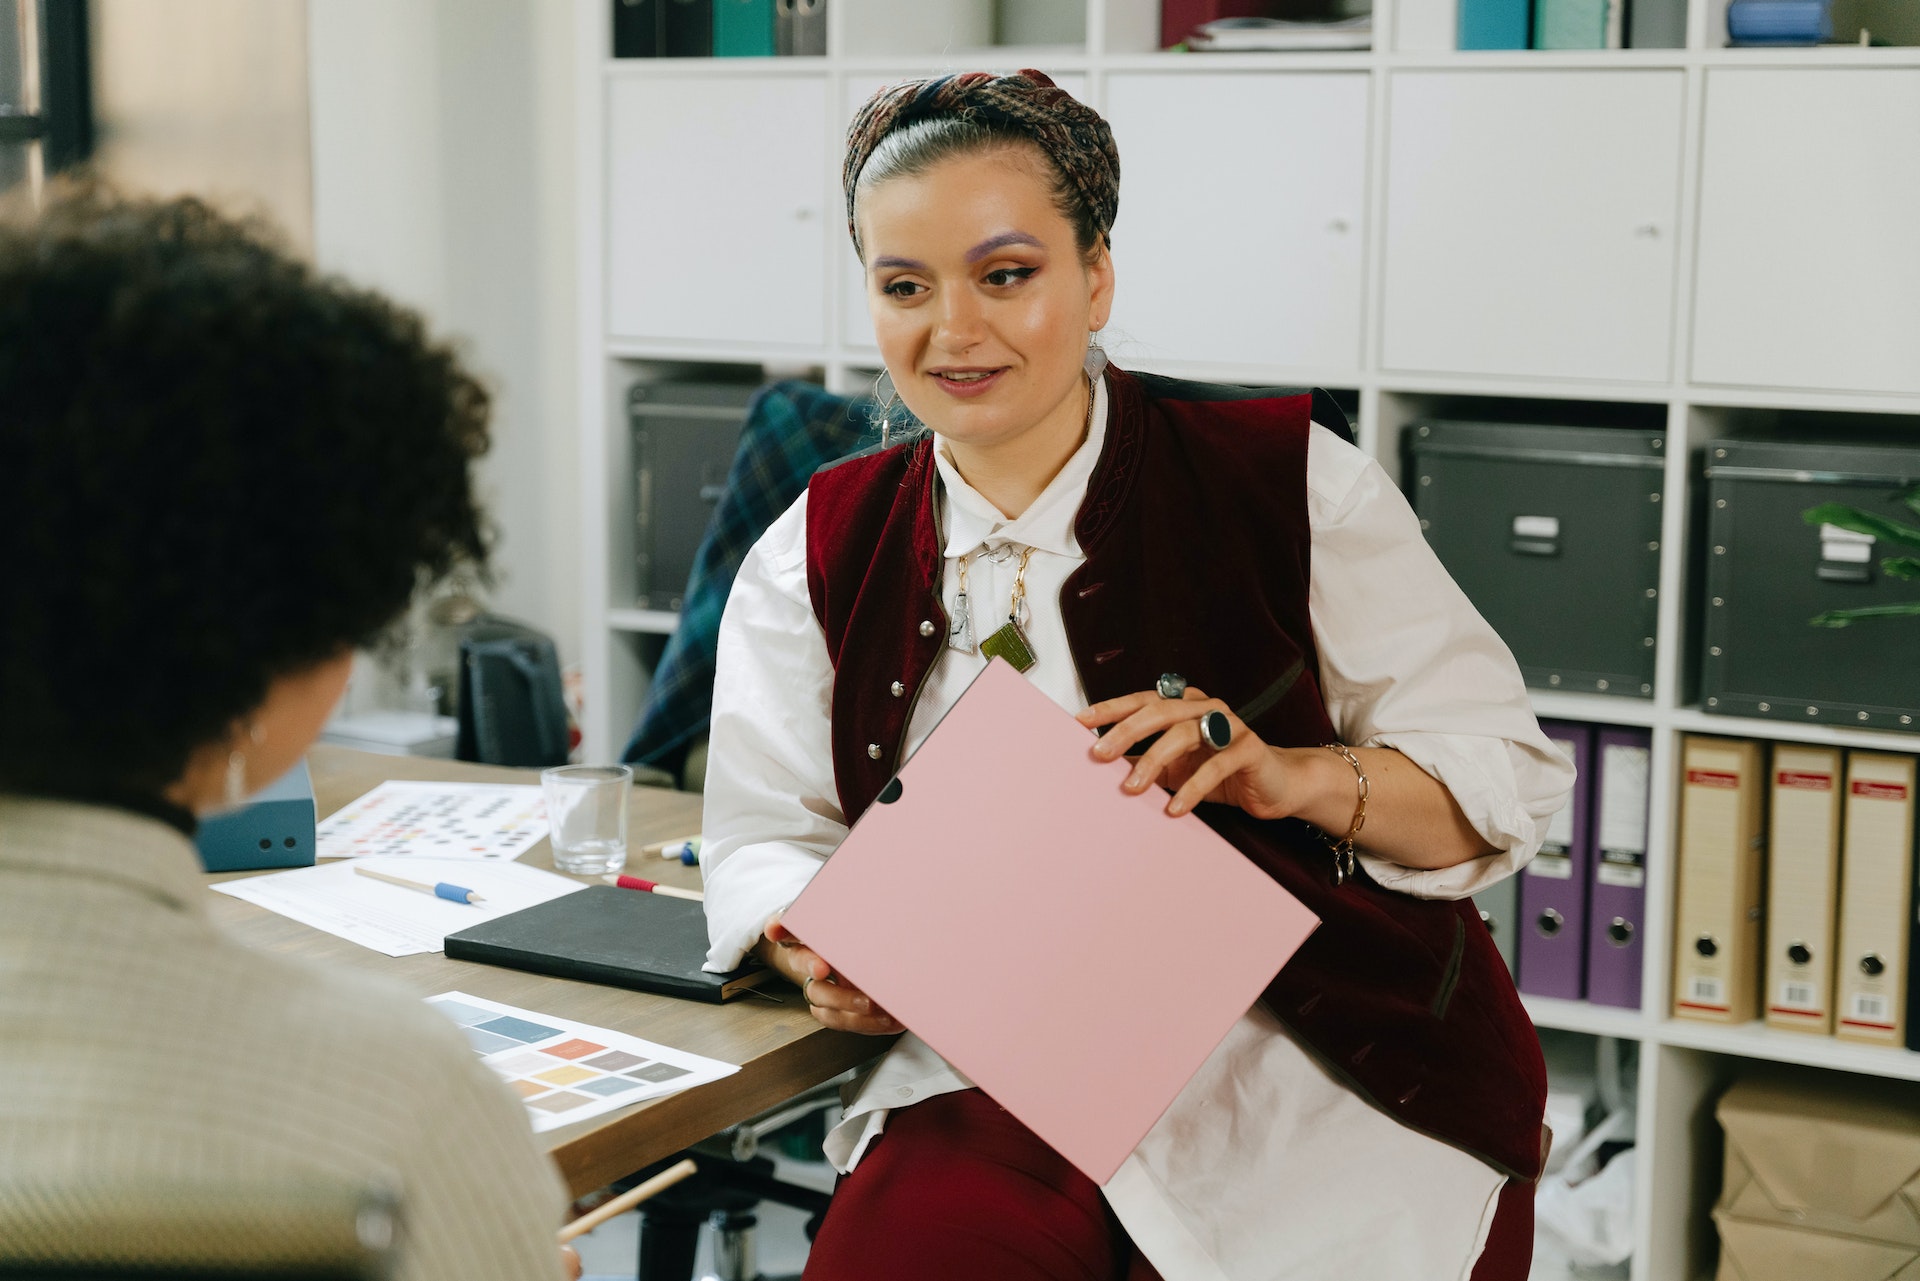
pixel 135 1039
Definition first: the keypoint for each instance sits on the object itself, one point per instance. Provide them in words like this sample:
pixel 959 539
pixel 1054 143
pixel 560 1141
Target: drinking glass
pixel 587 810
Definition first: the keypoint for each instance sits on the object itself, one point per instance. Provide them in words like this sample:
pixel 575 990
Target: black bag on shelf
pixel 1770 573
pixel 684 439
pixel 1554 534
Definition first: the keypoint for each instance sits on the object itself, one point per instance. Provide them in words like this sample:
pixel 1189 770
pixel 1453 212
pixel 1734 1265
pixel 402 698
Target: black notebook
pixel 603 934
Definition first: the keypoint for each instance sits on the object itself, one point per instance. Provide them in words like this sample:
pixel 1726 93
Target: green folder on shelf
pixel 743 28
pixel 1571 24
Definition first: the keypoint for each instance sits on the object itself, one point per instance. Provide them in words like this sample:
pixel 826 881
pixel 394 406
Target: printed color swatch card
pixel 566 1071
pixel 983 899
pixel 441 820
pixel 392 918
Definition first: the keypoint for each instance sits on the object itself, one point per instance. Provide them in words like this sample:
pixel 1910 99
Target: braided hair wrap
pixel 1026 104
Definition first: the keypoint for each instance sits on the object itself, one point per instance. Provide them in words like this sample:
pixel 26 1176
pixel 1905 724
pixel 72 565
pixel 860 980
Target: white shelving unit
pixel 1421 228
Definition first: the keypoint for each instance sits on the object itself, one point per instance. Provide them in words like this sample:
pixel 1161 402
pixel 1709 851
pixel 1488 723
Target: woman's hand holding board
pixel 832 1000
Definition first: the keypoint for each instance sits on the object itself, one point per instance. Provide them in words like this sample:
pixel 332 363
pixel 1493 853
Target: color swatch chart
pixel 445 820
pixel 565 1071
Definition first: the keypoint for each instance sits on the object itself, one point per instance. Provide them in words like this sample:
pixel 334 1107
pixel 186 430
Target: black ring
pixel 1171 685
pixel 1216 731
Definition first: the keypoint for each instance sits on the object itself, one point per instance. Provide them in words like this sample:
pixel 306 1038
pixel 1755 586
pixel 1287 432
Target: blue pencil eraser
pixel 274 829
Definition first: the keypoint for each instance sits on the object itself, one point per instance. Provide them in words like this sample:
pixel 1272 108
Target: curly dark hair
pixel 216 468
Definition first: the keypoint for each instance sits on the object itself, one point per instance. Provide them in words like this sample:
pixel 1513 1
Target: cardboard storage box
pixel 1769 573
pixel 1554 535
pixel 1820 1181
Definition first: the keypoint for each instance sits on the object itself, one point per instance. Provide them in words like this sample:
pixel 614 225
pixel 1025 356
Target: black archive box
pixel 1554 534
pixel 1770 573
pixel 684 439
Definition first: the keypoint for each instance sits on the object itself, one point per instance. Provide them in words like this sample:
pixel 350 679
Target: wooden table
pixel 780 1048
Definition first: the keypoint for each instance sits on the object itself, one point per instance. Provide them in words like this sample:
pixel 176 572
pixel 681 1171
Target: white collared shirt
pixel 1324 1184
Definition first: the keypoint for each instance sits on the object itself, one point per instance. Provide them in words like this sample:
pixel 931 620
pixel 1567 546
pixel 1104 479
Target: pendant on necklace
pixel 1011 644
pixel 960 629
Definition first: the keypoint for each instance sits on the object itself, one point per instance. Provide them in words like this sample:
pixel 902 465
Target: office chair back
pixel 150 1230
pixel 512 709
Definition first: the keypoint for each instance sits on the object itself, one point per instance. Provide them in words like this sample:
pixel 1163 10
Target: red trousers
pixel 957 1190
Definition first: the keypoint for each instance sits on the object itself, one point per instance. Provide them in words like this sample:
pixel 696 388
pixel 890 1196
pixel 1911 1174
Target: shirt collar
pixel 1047 525
pixel 101 843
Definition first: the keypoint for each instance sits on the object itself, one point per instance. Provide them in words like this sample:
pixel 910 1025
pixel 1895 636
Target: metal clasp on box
pixel 1845 557
pixel 1535 536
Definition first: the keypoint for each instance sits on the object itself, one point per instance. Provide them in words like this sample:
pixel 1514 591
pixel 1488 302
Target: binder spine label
pixel 1876 902
pixel 1798 997
pixel 1802 886
pixel 1623 816
pixel 1725 780
pixel 1555 865
pixel 1704 992
pixel 1625 868
pixel 1870 1010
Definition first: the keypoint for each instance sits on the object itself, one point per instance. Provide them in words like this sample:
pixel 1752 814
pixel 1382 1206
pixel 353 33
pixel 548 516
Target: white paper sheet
pixel 392 918
pixel 438 820
pixel 566 1071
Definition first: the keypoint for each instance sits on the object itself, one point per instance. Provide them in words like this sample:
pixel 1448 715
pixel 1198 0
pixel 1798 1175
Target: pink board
pixel 1072 949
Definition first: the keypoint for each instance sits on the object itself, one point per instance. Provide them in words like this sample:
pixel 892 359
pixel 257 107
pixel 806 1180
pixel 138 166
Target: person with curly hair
pixel 219 474
pixel 1218 579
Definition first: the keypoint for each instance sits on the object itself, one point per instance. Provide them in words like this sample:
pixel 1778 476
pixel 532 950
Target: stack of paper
pixel 392 918
pixel 1252 35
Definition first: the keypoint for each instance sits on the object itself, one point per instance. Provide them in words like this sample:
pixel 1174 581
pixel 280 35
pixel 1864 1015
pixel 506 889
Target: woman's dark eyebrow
pixel 910 264
pixel 1001 241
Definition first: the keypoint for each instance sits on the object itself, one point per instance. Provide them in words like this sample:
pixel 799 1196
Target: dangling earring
pixel 892 415
pixel 1096 359
pixel 236 793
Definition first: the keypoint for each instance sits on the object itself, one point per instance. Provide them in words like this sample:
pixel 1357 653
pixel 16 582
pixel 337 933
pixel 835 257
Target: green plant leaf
pixel 1852 518
pixel 1847 617
pixel 1901 566
pixel 1911 498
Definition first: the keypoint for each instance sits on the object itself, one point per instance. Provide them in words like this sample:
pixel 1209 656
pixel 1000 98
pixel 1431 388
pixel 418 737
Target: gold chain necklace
pixel 1010 641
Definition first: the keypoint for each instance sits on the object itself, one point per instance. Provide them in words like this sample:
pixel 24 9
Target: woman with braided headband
pixel 1129 541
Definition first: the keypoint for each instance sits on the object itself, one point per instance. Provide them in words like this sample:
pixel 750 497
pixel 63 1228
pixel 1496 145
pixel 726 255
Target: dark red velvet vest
pixel 1197 561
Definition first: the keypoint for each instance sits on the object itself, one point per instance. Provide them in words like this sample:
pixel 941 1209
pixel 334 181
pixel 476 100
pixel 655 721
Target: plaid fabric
pixel 793 429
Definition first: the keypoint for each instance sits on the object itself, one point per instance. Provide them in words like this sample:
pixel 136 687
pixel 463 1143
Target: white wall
pixel 208 97
pixel 443 174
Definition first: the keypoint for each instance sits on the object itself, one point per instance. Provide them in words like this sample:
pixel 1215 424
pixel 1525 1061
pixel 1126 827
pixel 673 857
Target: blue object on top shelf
pixel 1494 24
pixel 1779 22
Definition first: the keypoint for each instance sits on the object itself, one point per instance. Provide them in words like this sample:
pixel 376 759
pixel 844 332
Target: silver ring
pixel 806 993
pixel 1216 731
pixel 1171 685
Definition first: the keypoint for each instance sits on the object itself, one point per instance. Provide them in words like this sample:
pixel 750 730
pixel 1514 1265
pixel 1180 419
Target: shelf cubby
pixel 1661 317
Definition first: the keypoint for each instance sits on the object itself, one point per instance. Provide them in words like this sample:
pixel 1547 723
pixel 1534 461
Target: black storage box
pixel 684 439
pixel 1554 535
pixel 1769 573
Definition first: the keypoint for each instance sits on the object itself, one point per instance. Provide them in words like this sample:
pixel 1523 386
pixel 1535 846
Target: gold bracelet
pixel 1343 848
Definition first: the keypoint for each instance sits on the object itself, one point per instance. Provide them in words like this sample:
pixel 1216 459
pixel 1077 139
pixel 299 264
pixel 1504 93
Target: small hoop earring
pixel 236 789
pixel 236 778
